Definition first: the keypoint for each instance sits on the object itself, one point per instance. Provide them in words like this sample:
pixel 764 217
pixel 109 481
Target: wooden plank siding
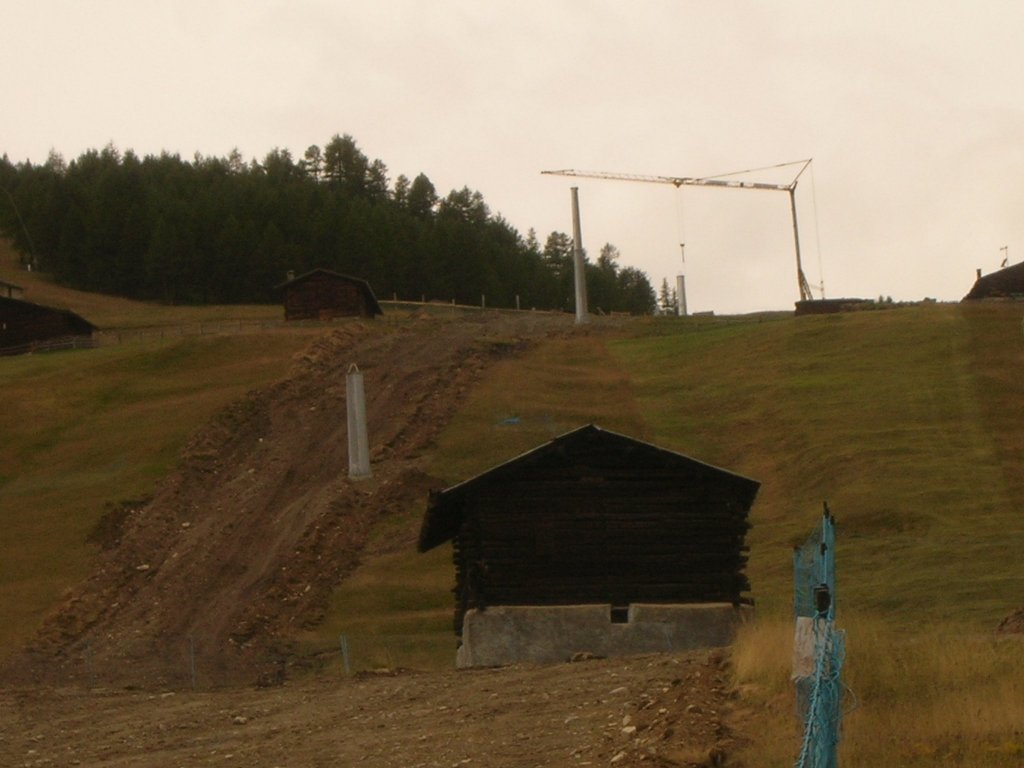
pixel 23 324
pixel 595 517
pixel 324 295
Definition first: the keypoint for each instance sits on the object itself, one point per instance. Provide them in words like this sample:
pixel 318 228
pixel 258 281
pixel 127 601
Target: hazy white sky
pixel 912 111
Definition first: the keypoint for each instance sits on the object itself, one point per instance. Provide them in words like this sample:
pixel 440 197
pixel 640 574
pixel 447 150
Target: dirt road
pixel 650 711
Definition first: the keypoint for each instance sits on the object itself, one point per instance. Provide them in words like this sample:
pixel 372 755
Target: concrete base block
pixel 551 634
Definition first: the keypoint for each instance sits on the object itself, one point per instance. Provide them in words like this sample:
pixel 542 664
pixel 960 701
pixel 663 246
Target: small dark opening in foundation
pixel 620 614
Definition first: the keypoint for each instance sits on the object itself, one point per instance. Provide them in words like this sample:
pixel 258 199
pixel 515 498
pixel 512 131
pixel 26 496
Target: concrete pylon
pixel 358 441
pixel 579 271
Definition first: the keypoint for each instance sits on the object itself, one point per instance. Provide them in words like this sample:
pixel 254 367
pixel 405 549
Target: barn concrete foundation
pixel 551 634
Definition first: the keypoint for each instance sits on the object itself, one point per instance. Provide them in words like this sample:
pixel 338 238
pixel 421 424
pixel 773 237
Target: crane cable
pixel 805 163
pixel 817 233
pixel 680 280
pixel 681 226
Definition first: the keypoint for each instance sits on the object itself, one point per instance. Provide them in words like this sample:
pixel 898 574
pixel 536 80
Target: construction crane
pixel 719 181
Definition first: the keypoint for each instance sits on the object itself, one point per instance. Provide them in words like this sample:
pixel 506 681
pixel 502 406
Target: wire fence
pixel 51 345
pixel 819 648
pixel 205 328
pixel 193 662
pixel 201 662
pixel 114 336
pixel 106 338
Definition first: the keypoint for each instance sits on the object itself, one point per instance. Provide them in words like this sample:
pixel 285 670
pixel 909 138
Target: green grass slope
pixel 396 609
pixel 907 421
pixel 84 430
pixel 902 420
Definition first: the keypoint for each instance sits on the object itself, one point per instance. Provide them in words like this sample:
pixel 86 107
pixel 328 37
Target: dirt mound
pixel 243 544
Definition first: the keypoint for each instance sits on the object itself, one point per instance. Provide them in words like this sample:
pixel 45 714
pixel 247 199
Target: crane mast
pixel 707 181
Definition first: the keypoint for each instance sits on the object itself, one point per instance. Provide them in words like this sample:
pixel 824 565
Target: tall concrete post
pixel 358 441
pixel 681 295
pixel 579 271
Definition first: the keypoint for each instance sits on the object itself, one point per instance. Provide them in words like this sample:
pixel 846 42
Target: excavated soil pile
pixel 243 544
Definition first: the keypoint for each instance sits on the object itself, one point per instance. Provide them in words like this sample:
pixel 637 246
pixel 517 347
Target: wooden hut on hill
pixel 594 542
pixel 1007 283
pixel 25 326
pixel 324 295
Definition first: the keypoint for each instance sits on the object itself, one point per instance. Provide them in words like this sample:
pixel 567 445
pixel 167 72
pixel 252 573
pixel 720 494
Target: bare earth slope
pixel 643 711
pixel 244 543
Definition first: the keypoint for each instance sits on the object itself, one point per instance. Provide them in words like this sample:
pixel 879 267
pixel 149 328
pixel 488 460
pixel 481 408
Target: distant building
pixel 594 542
pixel 24 325
pixel 324 295
pixel 1007 283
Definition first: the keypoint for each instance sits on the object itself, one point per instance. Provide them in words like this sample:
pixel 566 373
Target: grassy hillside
pixel 84 430
pixel 397 608
pixel 907 421
pixel 885 415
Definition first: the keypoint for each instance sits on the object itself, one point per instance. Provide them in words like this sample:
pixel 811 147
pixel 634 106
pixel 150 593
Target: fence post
pixel 90 672
pixel 344 653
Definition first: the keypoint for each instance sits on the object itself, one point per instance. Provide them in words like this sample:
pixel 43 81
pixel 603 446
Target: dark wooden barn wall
pixel 23 323
pixel 324 296
pixel 604 531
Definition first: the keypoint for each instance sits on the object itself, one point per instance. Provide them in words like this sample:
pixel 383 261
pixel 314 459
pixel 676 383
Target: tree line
pixel 223 230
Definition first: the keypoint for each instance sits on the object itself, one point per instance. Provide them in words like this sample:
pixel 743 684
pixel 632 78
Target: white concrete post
pixel 579 271
pixel 358 441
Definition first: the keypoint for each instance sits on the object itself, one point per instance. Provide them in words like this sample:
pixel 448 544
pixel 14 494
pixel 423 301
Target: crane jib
pixel 708 181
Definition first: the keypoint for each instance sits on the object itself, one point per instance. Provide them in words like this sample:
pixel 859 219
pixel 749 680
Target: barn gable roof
pixel 362 285
pixel 444 510
pixel 1005 283
pixel 11 307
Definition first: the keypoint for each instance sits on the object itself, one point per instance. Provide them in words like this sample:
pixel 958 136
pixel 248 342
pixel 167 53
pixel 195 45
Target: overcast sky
pixel 913 113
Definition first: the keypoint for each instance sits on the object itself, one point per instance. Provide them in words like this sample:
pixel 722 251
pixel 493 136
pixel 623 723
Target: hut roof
pixel 444 511
pixel 10 307
pixel 362 285
pixel 1005 283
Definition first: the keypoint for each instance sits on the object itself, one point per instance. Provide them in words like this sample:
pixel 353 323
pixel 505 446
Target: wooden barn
pixel 24 325
pixel 1007 283
pixel 600 530
pixel 324 295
